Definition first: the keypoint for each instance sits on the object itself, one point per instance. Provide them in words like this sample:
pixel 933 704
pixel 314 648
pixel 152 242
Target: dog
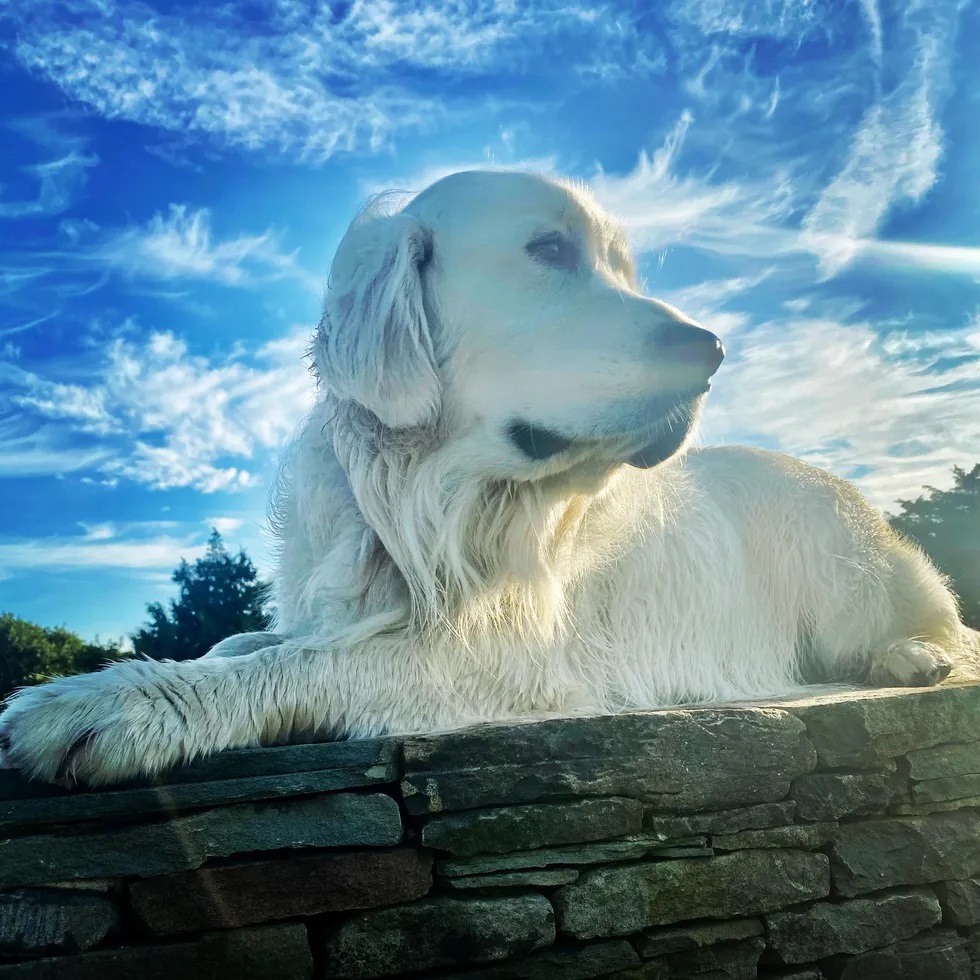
pixel 495 511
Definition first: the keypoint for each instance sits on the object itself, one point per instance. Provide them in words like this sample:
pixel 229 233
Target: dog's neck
pixel 457 554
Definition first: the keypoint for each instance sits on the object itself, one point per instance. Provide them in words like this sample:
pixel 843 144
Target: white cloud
pixel 224 525
pixel 182 245
pixel 57 183
pixel 892 412
pixel 308 80
pixel 169 418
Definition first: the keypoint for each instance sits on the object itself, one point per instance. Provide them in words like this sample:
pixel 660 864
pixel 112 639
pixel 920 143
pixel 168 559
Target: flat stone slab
pixel 825 929
pixel 755 817
pixel 184 843
pixel 947 788
pixel 546 878
pixel 52 920
pixel 870 855
pixel 561 963
pixel 519 828
pixel 942 761
pixel 725 961
pixel 262 953
pixel 584 854
pixel 438 932
pixel 660 942
pixel 229 777
pixel 682 760
pixel 234 895
pixel 802 836
pixel 629 898
pixel 866 728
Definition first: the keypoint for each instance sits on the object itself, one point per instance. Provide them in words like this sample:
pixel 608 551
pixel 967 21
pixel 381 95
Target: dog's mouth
pixel 647 446
pixel 671 432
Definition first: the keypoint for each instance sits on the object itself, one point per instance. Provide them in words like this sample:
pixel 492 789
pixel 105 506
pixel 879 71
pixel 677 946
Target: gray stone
pixel 726 961
pixel 519 828
pixel 546 857
pixel 960 901
pixel 876 854
pixel 832 795
pixel 806 836
pixel 263 953
pixel 626 899
pixel 939 806
pixel 229 777
pixel 755 817
pixel 684 760
pixel 827 928
pixel 945 760
pixel 48 920
pixel 659 942
pixel 546 878
pixel 184 843
pixel 863 729
pixel 948 788
pixel 561 963
pixel 939 955
pixel 438 932
pixel 228 895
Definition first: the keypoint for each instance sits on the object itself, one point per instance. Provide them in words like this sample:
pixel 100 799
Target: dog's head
pixel 499 311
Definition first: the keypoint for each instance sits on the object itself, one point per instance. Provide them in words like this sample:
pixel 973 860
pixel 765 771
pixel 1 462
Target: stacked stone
pixel 836 838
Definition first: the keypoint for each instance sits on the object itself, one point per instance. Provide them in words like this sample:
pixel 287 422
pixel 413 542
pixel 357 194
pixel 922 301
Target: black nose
pixel 693 347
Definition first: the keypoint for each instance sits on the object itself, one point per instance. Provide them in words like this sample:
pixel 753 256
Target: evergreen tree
pixel 946 525
pixel 30 653
pixel 219 595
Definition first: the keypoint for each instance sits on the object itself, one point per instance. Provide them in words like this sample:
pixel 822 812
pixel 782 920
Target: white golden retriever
pixel 492 513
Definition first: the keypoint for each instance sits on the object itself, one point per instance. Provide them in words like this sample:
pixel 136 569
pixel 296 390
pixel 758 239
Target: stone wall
pixel 837 837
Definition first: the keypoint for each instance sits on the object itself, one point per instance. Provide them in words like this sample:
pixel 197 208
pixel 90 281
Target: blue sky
pixel 174 178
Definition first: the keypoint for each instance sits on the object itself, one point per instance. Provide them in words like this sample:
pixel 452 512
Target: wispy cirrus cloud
pixel 181 244
pixel 156 414
pixel 310 80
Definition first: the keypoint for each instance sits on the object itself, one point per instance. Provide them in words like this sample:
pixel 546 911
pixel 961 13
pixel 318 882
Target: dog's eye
pixel 554 250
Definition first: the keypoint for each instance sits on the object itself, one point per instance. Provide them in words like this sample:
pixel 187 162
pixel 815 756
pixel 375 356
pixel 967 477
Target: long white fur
pixel 432 577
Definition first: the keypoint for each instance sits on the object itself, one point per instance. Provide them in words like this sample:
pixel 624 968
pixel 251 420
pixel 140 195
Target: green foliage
pixel 220 595
pixel 946 525
pixel 30 653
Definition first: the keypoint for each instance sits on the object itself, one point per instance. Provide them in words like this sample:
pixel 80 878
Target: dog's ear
pixel 374 344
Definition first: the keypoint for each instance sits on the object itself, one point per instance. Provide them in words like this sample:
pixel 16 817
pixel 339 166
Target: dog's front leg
pixel 140 717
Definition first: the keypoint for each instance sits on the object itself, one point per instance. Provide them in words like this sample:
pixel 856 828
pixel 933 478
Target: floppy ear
pixel 373 344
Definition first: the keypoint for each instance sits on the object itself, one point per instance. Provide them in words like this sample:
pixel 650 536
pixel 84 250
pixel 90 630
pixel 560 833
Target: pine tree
pixel 219 595
pixel 946 525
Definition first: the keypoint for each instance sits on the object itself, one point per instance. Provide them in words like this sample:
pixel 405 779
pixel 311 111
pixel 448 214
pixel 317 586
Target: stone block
pixel 939 955
pixel 438 932
pixel 626 899
pixel 855 926
pixel 546 878
pixel 546 857
pixel 519 828
pixel 184 843
pixel 942 761
pixel 960 901
pixel 667 826
pixel 863 729
pixel 684 760
pixel 803 836
pixel 263 953
pixel 233 895
pixel 229 777
pixel 34 921
pixel 871 855
pixel 660 942
pixel 832 795
pixel 560 963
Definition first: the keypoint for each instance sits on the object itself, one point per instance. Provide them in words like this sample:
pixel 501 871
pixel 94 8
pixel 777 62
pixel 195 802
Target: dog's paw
pixel 911 663
pixel 95 729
